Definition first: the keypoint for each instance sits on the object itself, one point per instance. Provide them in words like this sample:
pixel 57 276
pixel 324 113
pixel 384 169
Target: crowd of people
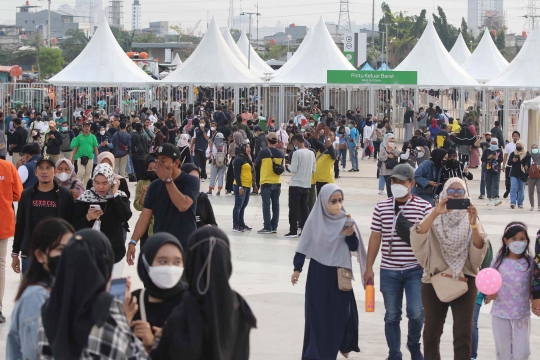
pixel 71 182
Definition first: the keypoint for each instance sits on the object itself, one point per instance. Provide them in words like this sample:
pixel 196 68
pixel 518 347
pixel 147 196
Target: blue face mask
pixel 534 151
pixel 295 147
pixel 493 147
pixel 518 247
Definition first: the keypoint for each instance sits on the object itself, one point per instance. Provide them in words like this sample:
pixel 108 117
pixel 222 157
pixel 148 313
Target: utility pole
pixel 373 29
pixel 257 24
pixel 385 57
pixel 49 25
pixel 531 15
pixel 231 15
pixel 344 21
pixel 249 47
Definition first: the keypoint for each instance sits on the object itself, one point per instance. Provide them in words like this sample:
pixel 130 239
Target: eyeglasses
pixel 335 201
pixel 452 192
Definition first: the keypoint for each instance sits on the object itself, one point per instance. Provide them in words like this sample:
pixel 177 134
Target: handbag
pixel 84 160
pixel 534 171
pixel 448 289
pixel 390 163
pixel 344 277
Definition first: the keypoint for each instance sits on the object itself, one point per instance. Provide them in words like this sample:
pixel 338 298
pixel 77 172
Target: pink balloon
pixel 488 281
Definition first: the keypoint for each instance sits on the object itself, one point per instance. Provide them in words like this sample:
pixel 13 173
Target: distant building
pixel 291 36
pixel 485 12
pixel 136 15
pixel 32 19
pixel 159 27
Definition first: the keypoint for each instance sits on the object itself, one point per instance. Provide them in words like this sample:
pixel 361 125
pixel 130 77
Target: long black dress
pixel 331 314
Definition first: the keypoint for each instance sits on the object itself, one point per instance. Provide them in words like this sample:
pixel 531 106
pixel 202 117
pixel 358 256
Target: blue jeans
pixel 343 154
pixel 517 191
pixel 475 332
pixel 393 283
pixel 353 154
pixel 483 180
pixel 270 194
pixel 492 184
pixel 129 168
pixel 388 183
pixel 382 182
pixel 240 203
pixel 25 263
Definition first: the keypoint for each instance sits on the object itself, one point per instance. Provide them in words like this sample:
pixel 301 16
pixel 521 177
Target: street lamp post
pixel 249 48
pixel 470 42
pixel 49 25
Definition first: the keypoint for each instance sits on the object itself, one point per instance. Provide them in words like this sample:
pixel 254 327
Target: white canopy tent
pixel 212 63
pixel 320 55
pixel 524 70
pixel 297 54
pixel 255 61
pixel 486 62
pixel 460 52
pixel 234 48
pixel 102 62
pixel 433 63
pixel 176 60
pixel 529 122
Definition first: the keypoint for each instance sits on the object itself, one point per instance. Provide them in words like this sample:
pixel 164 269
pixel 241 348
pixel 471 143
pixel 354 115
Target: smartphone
pixel 348 223
pixel 118 288
pixel 458 204
pixel 465 164
pixel 95 207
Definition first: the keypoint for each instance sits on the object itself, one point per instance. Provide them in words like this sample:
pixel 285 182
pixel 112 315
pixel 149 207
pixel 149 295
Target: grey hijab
pixel 321 239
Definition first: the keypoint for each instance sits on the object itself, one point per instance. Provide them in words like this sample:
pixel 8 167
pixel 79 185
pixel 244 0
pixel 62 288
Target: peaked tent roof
pixel 297 54
pixel 433 63
pixel 524 70
pixel 384 66
pixel 486 62
pixel 460 52
pixel 212 63
pixel 311 69
pixel 234 48
pixel 367 67
pixel 102 62
pixel 176 60
pixel 255 61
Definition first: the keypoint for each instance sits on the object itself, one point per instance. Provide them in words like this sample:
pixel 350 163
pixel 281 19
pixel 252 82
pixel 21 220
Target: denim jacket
pixel 425 173
pixel 22 337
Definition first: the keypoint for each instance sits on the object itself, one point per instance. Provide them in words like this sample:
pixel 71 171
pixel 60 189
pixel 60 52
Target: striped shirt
pixel 402 256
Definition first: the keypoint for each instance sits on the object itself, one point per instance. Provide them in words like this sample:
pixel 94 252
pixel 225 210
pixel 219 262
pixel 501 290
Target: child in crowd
pixel 511 309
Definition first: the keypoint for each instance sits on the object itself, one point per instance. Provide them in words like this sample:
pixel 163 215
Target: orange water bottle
pixel 370 297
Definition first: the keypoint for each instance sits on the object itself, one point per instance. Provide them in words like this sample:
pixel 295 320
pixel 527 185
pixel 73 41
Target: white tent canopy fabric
pixel 524 70
pixel 102 62
pixel 320 55
pixel 523 125
pixel 212 63
pixel 486 62
pixel 297 54
pixel 255 61
pixel 176 60
pixel 460 52
pixel 234 48
pixel 433 63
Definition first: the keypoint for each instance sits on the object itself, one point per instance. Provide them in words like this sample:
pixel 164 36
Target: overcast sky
pixel 300 12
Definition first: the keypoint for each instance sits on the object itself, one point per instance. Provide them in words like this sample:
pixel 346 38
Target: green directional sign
pixel 356 77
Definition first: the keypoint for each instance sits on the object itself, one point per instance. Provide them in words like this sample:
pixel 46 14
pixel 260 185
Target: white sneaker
pixel 381 192
pixel 498 202
pixel 489 203
pixel 531 209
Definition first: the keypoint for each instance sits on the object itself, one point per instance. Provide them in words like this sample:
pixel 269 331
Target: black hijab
pixel 213 322
pixel 149 251
pixel 437 157
pixel 241 151
pixel 465 136
pixel 79 299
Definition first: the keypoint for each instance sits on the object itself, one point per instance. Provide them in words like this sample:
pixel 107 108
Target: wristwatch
pixel 134 242
pixel 167 180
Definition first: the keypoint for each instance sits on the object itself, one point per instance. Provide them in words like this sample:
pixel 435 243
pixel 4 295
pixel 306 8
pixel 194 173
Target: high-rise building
pixel 136 15
pixel 485 12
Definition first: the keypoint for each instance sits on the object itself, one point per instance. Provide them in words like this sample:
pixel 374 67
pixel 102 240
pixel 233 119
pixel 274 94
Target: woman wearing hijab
pixel 283 137
pixel 534 180
pixel 213 322
pixel 454 242
pixel 492 158
pixel 105 208
pixel 408 154
pixel 389 157
pixel 243 179
pixel 140 193
pixel 204 213
pixel 331 313
pixel 66 177
pixel 108 158
pixel 183 146
pixel 377 138
pixel 238 139
pixel 215 147
pixel 474 157
pixel 160 267
pixel 520 161
pixel 49 237
pixel 428 176
pixel 81 319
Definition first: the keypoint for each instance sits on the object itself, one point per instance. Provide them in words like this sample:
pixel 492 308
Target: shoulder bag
pixel 345 277
pixel 534 171
pixel 277 168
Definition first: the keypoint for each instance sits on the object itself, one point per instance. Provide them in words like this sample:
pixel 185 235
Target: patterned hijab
pixel 91 196
pixel 454 232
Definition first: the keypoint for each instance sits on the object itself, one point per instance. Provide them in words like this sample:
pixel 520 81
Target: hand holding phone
pixel 118 288
pixel 458 204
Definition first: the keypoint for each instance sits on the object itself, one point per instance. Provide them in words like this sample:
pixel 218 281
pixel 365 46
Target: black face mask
pixel 519 148
pixel 451 163
pixel 488 140
pixel 151 175
pixel 444 162
pixel 52 264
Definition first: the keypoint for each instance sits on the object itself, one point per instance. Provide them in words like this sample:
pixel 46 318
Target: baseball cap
pixel 169 150
pixel 52 123
pixel 487 133
pixel 403 172
pixel 272 137
pixel 86 123
pixel 257 128
pixel 47 159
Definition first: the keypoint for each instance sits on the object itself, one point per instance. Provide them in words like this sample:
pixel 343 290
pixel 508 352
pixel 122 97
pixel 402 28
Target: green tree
pixel 500 40
pixel 124 38
pixel 448 33
pixel 50 61
pixel 235 33
pixel 148 38
pixel 275 51
pixel 26 57
pixel 74 42
pixel 465 32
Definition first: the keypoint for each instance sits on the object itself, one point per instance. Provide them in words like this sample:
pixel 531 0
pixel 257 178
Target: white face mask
pixel 212 128
pixel 399 191
pixel 420 154
pixel 102 132
pixel 63 176
pixel 166 276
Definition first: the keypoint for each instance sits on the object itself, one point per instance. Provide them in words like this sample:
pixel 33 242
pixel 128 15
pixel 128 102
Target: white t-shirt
pixel 298 119
pixel 368 131
pixel 508 149
pixel 23 173
pixel 303 165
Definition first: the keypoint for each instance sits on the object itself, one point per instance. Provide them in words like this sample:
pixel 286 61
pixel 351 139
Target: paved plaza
pixel 262 269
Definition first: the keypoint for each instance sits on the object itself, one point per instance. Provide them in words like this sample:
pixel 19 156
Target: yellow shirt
pixel 245 175
pixel 264 159
pixel 324 170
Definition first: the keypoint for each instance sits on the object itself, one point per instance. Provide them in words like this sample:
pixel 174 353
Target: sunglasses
pixel 335 201
pixel 452 192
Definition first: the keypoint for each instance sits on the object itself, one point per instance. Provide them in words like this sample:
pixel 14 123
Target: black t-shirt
pixel 225 131
pixel 44 205
pixel 167 217
pixel 156 313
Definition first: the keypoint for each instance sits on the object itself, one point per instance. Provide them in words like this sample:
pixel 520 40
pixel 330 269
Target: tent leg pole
pixel 461 101
pixel 505 112
pixel 281 103
pixel 485 125
pixel 327 97
pixel 371 101
pixel 349 97
pixel 259 100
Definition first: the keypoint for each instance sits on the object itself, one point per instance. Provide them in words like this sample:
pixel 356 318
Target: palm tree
pixel 75 37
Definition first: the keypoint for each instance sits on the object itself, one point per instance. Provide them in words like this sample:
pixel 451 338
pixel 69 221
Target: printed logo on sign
pixel 349 57
pixel 348 45
pixel 348 39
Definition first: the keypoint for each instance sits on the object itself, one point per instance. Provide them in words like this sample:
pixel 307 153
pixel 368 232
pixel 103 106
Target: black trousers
pixel 298 207
pixel 507 183
pixel 229 178
pixel 200 161
pixel 319 185
pixel 138 166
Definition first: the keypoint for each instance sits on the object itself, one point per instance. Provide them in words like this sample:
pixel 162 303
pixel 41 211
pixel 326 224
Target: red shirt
pixel 10 191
